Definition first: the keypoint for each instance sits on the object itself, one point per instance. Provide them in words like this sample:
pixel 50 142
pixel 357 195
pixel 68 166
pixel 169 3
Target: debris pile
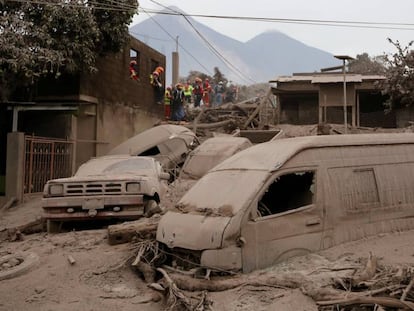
pixel 255 113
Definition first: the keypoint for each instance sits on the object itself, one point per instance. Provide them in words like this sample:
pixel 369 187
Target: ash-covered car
pixel 210 153
pixel 168 143
pixel 110 187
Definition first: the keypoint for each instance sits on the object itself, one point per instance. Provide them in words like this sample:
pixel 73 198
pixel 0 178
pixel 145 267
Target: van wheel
pixel 151 207
pixel 53 226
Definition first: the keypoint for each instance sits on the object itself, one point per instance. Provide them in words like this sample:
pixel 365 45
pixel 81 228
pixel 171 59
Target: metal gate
pixel 45 158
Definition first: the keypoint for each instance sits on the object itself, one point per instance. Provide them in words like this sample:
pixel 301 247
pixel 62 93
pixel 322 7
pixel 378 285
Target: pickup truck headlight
pixel 133 187
pixel 56 189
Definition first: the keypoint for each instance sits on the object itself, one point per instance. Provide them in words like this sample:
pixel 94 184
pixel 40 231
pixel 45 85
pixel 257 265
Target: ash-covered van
pixel 290 197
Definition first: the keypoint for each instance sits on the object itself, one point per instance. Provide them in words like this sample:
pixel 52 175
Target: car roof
pixel 222 144
pixel 149 138
pixel 271 155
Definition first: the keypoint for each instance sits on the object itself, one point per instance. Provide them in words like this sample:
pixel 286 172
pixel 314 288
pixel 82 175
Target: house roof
pixel 328 78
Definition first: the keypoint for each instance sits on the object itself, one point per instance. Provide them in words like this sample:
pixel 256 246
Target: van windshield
pixel 223 193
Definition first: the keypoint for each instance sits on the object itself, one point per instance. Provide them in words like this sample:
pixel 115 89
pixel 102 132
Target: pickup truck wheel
pixel 151 207
pixel 53 226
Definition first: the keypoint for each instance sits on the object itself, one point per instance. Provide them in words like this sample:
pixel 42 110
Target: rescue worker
pixel 133 70
pixel 219 90
pixel 155 80
pixel 188 92
pixel 167 103
pixel 198 92
pixel 207 91
pixel 178 113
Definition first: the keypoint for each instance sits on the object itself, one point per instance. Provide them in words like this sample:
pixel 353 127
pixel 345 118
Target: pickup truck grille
pixel 93 188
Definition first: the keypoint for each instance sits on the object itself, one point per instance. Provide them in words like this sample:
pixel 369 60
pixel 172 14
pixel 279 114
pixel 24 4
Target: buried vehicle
pixel 168 143
pixel 210 153
pixel 290 197
pixel 109 187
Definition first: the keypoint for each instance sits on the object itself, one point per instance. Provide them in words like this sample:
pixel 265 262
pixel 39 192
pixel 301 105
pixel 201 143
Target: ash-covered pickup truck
pixel 110 187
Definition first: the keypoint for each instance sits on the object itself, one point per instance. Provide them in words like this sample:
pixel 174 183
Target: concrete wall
pixel 14 168
pixel 117 123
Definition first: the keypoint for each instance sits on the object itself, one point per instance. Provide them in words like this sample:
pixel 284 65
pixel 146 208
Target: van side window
pixel 288 192
pixel 366 186
pixel 150 152
pixel 355 187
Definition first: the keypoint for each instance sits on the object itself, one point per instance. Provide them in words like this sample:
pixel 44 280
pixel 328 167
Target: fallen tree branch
pixel 407 290
pixel 382 301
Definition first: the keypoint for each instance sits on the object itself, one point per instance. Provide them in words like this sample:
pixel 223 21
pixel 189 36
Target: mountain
pixel 260 59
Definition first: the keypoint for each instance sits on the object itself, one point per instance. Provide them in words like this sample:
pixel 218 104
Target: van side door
pixel 285 220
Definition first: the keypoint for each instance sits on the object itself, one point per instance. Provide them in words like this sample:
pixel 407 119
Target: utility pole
pixel 175 64
pixel 344 58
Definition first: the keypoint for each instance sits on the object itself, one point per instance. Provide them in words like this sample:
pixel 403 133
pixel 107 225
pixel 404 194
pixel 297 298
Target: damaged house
pixel 74 118
pixel 315 98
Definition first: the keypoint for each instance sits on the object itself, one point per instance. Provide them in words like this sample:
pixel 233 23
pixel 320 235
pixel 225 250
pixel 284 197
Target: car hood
pixel 189 231
pixel 113 177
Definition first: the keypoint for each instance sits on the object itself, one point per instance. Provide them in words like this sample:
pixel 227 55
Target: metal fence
pixel 45 159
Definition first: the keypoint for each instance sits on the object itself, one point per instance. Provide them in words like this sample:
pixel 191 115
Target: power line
pixel 146 36
pixel 213 49
pixel 174 39
pixel 335 23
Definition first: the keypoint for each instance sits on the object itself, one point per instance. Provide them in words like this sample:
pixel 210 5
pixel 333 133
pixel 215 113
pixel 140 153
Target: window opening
pixel 288 192
pixel 150 152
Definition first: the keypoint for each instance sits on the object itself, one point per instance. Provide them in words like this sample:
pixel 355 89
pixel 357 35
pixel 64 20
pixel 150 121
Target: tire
pixel 30 260
pixel 151 207
pixel 53 226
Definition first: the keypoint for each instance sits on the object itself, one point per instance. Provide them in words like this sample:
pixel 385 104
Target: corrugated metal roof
pixel 292 78
pixel 328 78
pixel 337 78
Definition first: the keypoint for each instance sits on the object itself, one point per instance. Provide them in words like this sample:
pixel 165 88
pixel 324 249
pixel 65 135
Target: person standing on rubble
pixel 207 91
pixel 178 113
pixel 167 103
pixel 219 91
pixel 198 92
pixel 188 92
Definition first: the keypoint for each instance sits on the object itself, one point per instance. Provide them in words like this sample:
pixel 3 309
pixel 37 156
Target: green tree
pixel 197 74
pixel 399 85
pixel 39 39
pixel 218 76
pixel 365 64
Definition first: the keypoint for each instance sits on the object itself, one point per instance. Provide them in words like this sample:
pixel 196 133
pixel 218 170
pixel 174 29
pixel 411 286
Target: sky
pixel 333 39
